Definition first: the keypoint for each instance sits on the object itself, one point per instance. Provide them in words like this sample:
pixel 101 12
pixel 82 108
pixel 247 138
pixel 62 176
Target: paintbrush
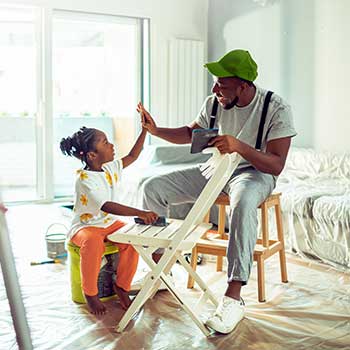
pixel 55 261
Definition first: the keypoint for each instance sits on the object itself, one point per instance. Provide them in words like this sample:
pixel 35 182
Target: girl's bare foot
pixel 123 297
pixel 95 305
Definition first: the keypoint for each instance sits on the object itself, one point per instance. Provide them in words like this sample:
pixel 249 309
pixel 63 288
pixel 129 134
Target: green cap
pixel 236 63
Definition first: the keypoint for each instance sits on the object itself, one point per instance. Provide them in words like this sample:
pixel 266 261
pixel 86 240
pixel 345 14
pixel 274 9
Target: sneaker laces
pixel 224 306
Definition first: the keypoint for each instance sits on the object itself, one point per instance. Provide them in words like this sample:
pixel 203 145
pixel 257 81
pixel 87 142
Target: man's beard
pixel 231 104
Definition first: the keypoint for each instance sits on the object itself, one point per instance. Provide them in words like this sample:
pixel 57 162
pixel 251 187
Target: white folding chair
pixel 178 236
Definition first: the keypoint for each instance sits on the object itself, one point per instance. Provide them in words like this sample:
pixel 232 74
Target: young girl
pixel 96 209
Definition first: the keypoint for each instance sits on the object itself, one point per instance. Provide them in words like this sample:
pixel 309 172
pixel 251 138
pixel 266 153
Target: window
pixel 19 47
pixel 92 73
pixel 96 83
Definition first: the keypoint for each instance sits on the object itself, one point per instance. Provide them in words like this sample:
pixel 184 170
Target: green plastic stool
pixel 75 278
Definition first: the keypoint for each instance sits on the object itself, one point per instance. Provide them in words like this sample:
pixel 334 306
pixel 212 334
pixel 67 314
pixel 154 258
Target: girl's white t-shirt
pixel 92 190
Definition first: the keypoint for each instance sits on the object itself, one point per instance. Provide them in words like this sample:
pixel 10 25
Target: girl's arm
pixel 136 150
pixel 118 209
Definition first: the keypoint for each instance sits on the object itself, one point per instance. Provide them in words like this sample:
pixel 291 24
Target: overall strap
pixel 213 113
pixel 262 119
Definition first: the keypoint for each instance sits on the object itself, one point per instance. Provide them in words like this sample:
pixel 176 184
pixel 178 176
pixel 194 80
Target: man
pixel 239 112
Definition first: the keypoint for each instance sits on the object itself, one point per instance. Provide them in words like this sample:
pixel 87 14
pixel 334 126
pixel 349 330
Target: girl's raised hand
pixel 147 121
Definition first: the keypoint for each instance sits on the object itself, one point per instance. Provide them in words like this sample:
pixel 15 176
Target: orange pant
pixel 91 242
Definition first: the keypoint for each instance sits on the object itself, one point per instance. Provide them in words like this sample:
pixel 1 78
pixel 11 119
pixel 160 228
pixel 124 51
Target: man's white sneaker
pixel 227 315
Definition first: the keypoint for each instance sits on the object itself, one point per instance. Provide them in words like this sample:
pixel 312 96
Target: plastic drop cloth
pixel 312 311
pixel 315 190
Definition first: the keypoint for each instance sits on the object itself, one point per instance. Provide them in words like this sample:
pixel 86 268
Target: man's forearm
pixel 175 135
pixel 265 162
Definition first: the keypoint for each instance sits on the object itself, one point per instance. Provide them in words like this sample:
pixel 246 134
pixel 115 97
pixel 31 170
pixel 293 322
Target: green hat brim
pixel 217 70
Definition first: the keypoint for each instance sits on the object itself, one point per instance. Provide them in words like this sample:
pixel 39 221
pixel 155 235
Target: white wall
pixel 332 75
pixel 250 27
pixel 180 18
pixel 302 50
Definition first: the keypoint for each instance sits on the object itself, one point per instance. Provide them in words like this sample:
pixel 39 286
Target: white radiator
pixel 187 84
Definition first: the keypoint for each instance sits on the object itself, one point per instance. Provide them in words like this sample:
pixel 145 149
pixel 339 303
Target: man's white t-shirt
pixel 92 190
pixel 243 122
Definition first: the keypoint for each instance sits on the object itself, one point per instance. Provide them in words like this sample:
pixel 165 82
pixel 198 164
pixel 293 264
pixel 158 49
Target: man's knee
pixel 243 206
pixel 152 194
pixel 151 186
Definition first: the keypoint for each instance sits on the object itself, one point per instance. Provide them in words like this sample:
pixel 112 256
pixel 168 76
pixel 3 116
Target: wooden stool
pixel 217 244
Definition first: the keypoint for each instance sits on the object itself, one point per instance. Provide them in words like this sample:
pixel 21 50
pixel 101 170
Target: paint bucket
pixel 56 241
